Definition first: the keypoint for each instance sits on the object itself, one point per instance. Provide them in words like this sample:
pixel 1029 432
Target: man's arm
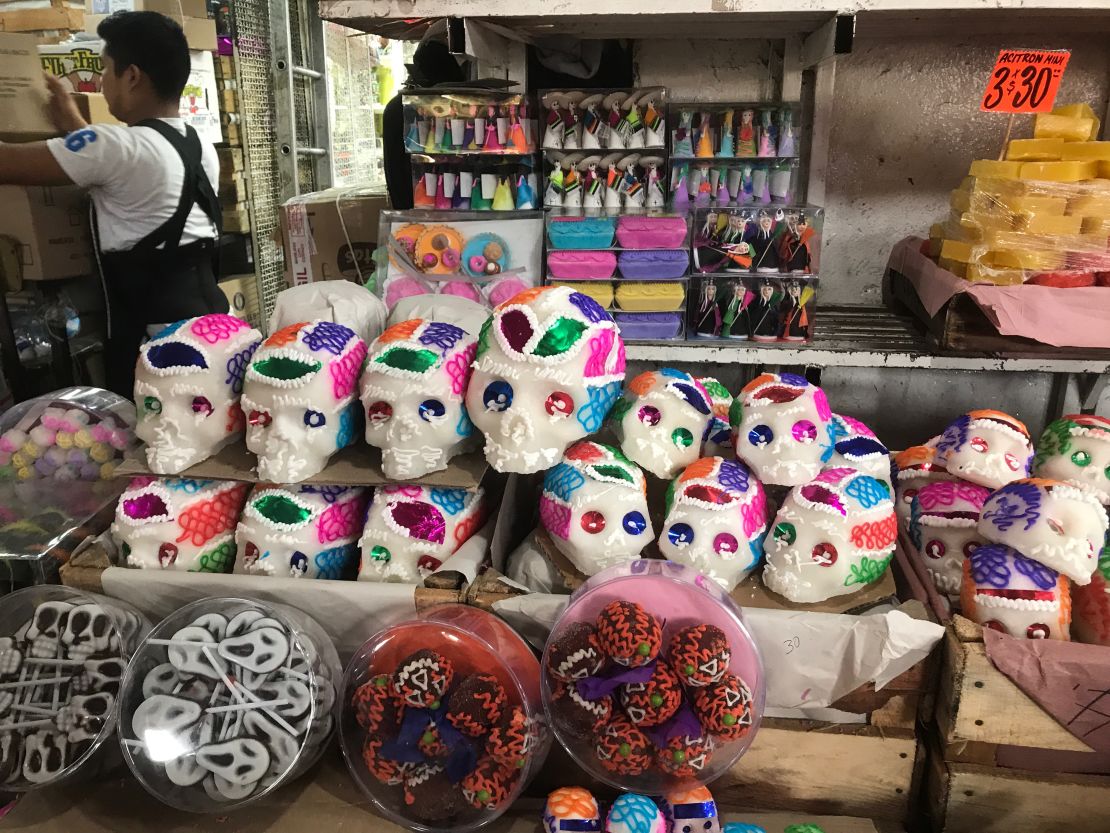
pixel 30 164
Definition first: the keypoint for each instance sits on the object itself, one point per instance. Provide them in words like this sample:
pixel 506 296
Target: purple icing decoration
pixel 145 506
pixel 954 436
pixel 516 328
pixel 329 493
pixel 794 379
pixel 988 566
pixel 604 684
pixel 237 367
pixel 684 723
pixel 442 335
pixel 860 447
pixel 1012 503
pixel 421 520
pixel 175 354
pixel 1044 577
pixel 692 395
pixel 819 494
pixel 326 335
pixel 591 310
pixel 734 475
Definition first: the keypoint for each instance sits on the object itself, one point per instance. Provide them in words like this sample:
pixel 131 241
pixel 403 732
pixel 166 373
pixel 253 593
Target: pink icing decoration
pixel 857 426
pixel 555 517
pixel 340 520
pixel 815 493
pixel 823 409
pixel 407 491
pixel 600 347
pixel 217 327
pixel 421 520
pixel 345 370
pixel 461 289
pixel 619 364
pixel 754 514
pixel 8 445
pixel 458 368
pixel 946 493
pixel 145 506
pixel 139 482
pixel 101 433
pixel 833 476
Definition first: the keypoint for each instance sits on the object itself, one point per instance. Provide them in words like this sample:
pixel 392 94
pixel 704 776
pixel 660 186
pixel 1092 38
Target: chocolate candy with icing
pixel 692 811
pixel 487 786
pixel 510 741
pixel 724 707
pixel 577 715
pixel 633 813
pixel 384 769
pixel 549 366
pixel 916 467
pixel 699 654
pixel 990 448
pixel 628 634
pixel 944 517
pixel 377 707
pixel 422 679
pixel 571 810
pixel 831 537
pixel 654 701
pixel 718 440
pixel 476 704
pixel 1076 450
pixel 684 756
pixel 1004 590
pixel 575 653
pixel 429 794
pixel 622 748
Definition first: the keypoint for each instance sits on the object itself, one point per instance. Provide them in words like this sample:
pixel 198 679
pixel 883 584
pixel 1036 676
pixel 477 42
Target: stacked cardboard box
pixel 49 21
pixel 192 15
pixel 234 196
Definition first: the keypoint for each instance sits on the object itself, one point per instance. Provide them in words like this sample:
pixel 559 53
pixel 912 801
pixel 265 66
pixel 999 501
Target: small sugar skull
pixel 549 366
pixel 986 447
pixel 855 446
pixel 309 531
pixel 188 381
pixel 716 517
pixel 632 813
pixel 411 530
pixel 594 506
pixel 1053 522
pixel 662 420
pixel 943 520
pixel 300 399
pixel 831 537
pixel 1076 450
pixel 178 524
pixel 692 811
pixel 718 441
pixel 571 810
pixel 1091 604
pixel 412 390
pixel 781 425
pixel 1004 590
pixel 916 467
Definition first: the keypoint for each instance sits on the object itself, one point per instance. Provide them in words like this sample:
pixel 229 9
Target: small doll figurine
pixel 614 136
pixel 680 193
pixel 737 249
pixel 794 252
pixel 503 196
pixel 468 131
pixel 517 140
pixel 705 139
pixel 747 184
pixel 635 195
pixel 683 135
pixel 572 187
pixel 592 186
pixel 571 124
pixel 735 321
pixel 764 313
pixel 795 318
pixel 591 123
pixel 722 195
pixel 728 141
pixel 745 135
pixel 443 201
pixel 635 124
pixel 735 191
pixel 525 194
pixel 787 137
pixel 656 198
pixel 767 133
pixel 765 255
pixel 614 180
pixel 492 143
pixel 709 314
pixel 503 125
pixel 414 142
pixel 705 187
pixel 553 194
pixel 655 125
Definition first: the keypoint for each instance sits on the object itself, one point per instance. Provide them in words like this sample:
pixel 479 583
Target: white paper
pixel 341 302
pixel 468 558
pixel 200 108
pixel 530 568
pixel 452 309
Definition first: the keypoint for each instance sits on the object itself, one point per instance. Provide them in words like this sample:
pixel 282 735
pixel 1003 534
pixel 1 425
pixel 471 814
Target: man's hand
pixel 63 109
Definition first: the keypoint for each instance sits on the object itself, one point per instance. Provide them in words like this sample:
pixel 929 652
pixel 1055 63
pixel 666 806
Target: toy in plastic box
pixel 473 183
pixel 468 121
pixel 604 119
pixel 766 309
pixel 696 183
pixel 734 131
pixel 613 182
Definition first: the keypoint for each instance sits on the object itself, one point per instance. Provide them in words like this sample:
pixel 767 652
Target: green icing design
pixel 715 389
pixel 218 560
pixel 405 358
pixel 615 451
pixel 560 337
pixel 281 367
pixel 483 337
pixel 803 828
pixel 868 570
pixel 619 409
pixel 668 498
pixel 613 473
pixel 1056 439
pixel 1104 561
pixel 281 509
pixel 735 412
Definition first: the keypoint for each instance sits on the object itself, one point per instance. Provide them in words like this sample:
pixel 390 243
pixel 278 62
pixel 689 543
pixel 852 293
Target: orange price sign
pixel 1025 80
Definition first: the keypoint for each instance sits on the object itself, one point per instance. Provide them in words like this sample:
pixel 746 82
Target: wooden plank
pixel 34 20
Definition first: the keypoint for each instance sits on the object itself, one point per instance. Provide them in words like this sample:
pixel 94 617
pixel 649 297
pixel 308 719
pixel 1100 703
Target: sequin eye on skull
pixel 634 523
pixel 432 410
pixel 202 406
pixel 379 412
pixel 761 435
pixel 804 431
pixel 786 533
pixel 681 534
pixel 259 418
pixel 1081 458
pixel 498 396
pixel 314 419
pixel 559 404
pixel 593 522
pixel 935 548
pixel 152 405
pixel 979 444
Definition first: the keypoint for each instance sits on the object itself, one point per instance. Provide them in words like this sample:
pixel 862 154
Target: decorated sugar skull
pixel 633 813
pixel 986 447
pixel 831 536
pixel 1091 604
pixel 716 519
pixel 300 399
pixel 411 530
pixel 1076 449
pixel 571 810
pixel 916 467
pixel 412 391
pixel 943 522
pixel 692 811
pixel 594 507
pixel 855 446
pixel 782 428
pixel 301 531
pixel 662 420
pixel 1004 590
pixel 549 366
pixel 179 524
pixel 718 440
pixel 1057 524
pixel 188 381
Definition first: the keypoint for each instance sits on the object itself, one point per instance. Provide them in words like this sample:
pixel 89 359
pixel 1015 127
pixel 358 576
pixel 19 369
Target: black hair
pixel 152 42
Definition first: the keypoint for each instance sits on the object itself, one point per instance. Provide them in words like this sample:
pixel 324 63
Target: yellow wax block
pixel 1037 259
pixel 956 250
pixel 1095 225
pixel 960 200
pixel 1059 171
pixel 979 273
pixel 1090 205
pixel 976 227
pixel 1049 224
pixel 1083 151
pixel 1035 150
pixel 1103 169
pixel 1080 111
pixel 1036 204
pixel 650 296
pixel 993 169
pixel 956 267
pixel 1068 128
pixel 600 291
pixel 967 184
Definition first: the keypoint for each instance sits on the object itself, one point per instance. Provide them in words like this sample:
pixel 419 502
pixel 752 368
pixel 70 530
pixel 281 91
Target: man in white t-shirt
pixel 152 183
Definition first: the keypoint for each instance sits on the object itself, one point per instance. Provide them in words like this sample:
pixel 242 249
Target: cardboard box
pixel 170 8
pixel 237 220
pixel 94 108
pixel 200 32
pixel 52 227
pixel 23 94
pixel 199 99
pixel 78 64
pixel 61 18
pixel 242 295
pixel 316 248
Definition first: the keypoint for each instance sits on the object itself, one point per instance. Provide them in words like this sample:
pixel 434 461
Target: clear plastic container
pixel 644 701
pixel 770 309
pixel 608 119
pixel 195 726
pixel 447 739
pixel 75 646
pixel 469 120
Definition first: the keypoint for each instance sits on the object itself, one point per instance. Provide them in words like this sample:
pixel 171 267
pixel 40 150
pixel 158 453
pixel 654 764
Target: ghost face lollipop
pixel 662 420
pixel 986 447
pixel 1076 450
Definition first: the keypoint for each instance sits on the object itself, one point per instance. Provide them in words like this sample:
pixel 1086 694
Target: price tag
pixel 1025 80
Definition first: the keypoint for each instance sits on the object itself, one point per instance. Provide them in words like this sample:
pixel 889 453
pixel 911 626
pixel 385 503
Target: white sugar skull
pixel 1053 522
pixel 986 447
pixel 716 519
pixel 916 467
pixel 571 810
pixel 309 531
pixel 692 811
pixel 300 399
pixel 179 524
pixel 188 381
pixel 855 446
pixel 831 537
pixel 1091 604
pixel 1076 449
pixel 594 506
pixel 549 366
pixel 1004 590
pixel 412 391
pixel 782 428
pixel 662 420
pixel 718 441
pixel 943 520
pixel 411 530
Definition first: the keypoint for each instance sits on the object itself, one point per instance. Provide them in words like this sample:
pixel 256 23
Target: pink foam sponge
pixel 507 288
pixel 400 288
pixel 461 289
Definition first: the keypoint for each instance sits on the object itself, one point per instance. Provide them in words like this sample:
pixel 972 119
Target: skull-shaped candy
pixel 549 366
pixel 300 399
pixel 662 420
pixel 1004 590
pixel 1055 523
pixel 986 447
pixel 413 389
pixel 411 530
pixel 716 518
pixel 1076 450
pixel 46 629
pixel 633 813
pixel 943 521
pixel 309 531
pixel 179 524
pixel 831 536
pixel 916 467
pixel 84 716
pixel 1091 604
pixel 782 428
pixel 718 441
pixel 692 811
pixel 44 756
pixel 89 630
pixel 594 506
pixel 188 381
pixel 855 446
pixel 571 810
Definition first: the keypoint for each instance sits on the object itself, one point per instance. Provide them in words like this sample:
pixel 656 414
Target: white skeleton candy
pixel 942 528
pixel 718 440
pixel 986 447
pixel 855 446
pixel 917 468
pixel 662 420
pixel 1076 450
pixel 1004 590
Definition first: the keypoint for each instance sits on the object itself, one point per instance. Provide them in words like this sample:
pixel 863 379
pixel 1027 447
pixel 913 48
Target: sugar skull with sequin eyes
pixel 571 810
pixel 986 447
pixel 1004 590
pixel 300 399
pixel 916 468
pixel 309 531
pixel 594 507
pixel 782 428
pixel 634 813
pixel 1076 449
pixel 1091 604
pixel 692 811
pixel 716 517
pixel 412 392
pixel 1053 522
pixel 855 446
pixel 411 530
pixel 718 441
pixel 188 381
pixel 662 419
pixel 549 366
pixel 179 524
pixel 943 520
pixel 832 536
